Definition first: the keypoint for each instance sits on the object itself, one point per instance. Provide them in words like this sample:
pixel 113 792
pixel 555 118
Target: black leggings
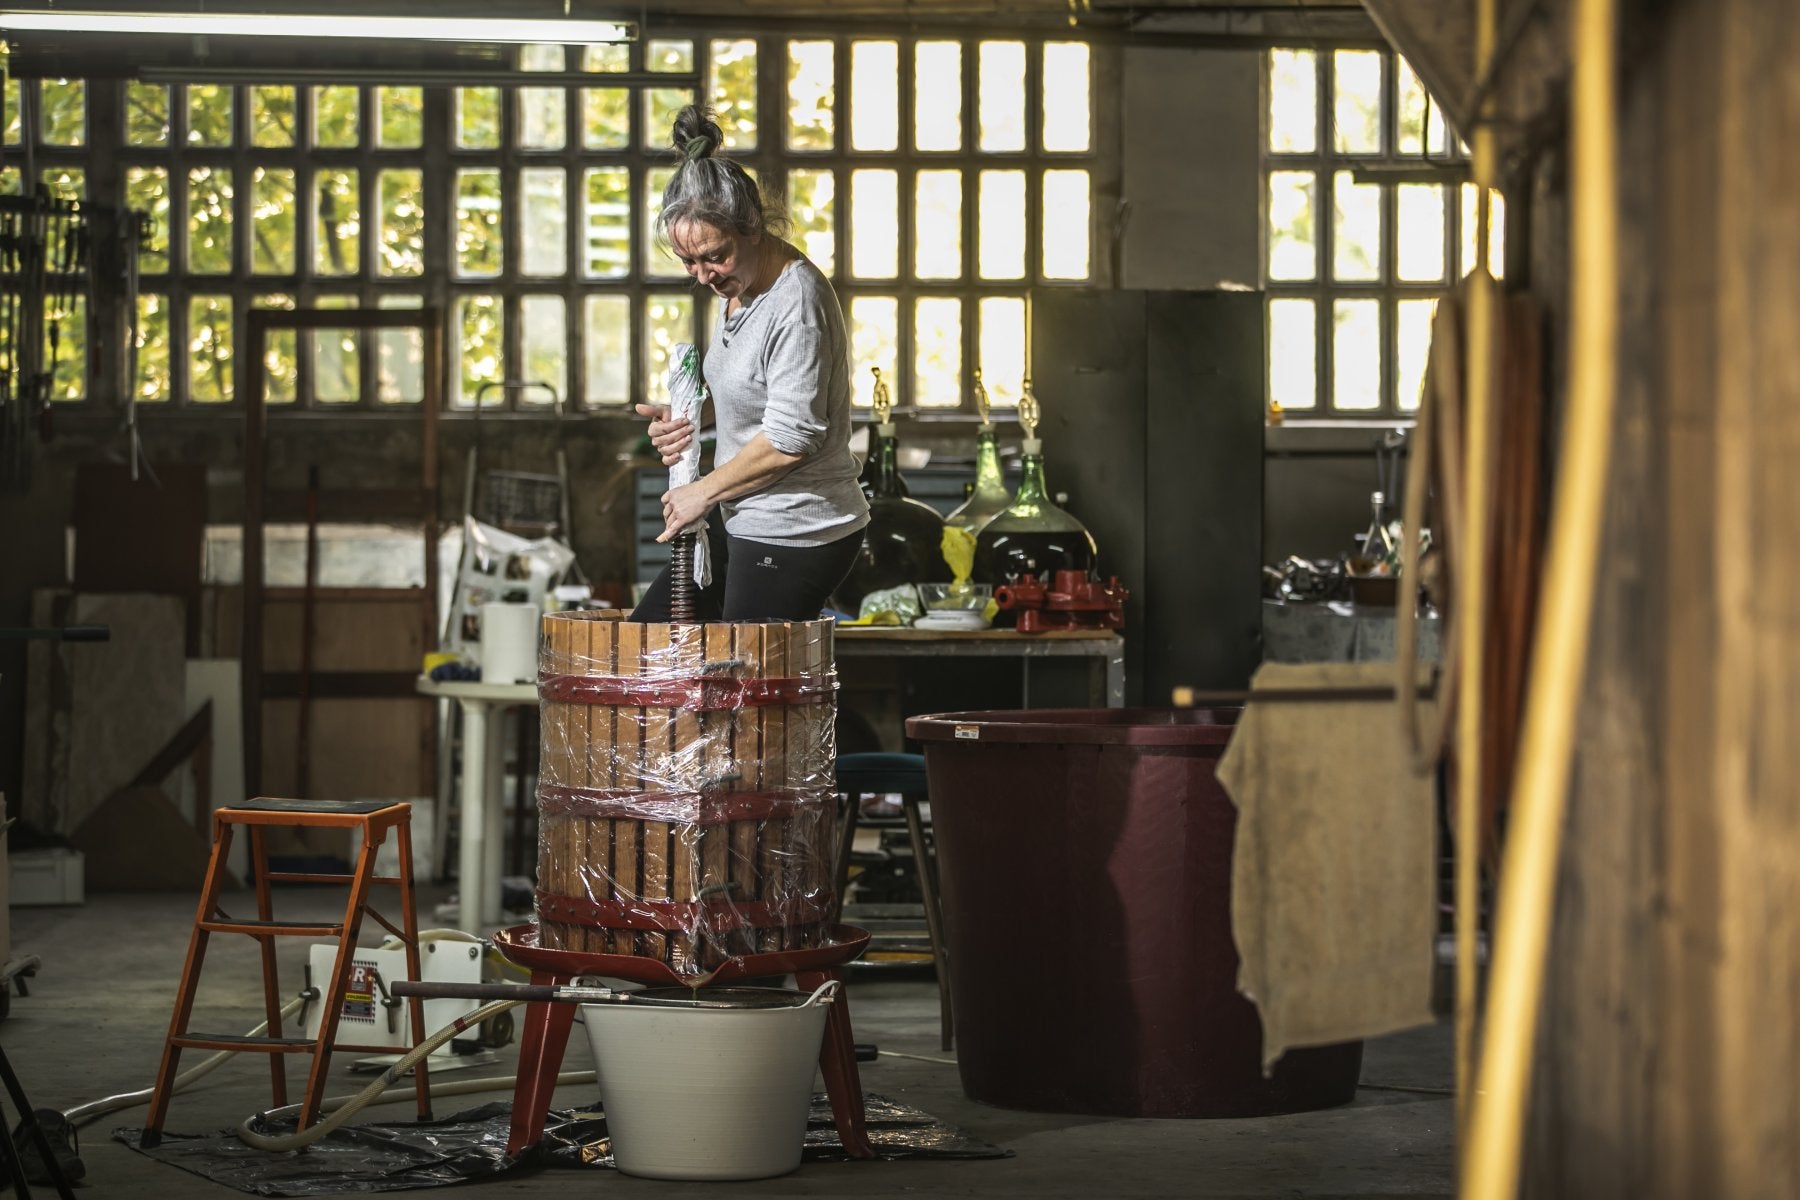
pixel 758 581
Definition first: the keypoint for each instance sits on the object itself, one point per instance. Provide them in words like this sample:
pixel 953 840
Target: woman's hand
pixel 683 506
pixel 669 437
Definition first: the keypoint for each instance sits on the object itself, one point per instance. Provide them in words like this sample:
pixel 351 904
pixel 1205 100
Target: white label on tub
pixel 969 732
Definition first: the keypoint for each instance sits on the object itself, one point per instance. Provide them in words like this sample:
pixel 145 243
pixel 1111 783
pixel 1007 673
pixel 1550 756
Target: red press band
pixel 669 916
pixel 691 808
pixel 696 693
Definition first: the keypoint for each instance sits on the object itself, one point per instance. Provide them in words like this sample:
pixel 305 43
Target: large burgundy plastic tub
pixel 1085 863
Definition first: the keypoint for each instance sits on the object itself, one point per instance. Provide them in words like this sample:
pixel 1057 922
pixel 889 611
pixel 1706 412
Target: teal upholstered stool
pixel 877 774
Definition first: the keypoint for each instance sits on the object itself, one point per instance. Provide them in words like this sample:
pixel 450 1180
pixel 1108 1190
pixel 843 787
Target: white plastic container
pixel 708 1093
pixel 509 642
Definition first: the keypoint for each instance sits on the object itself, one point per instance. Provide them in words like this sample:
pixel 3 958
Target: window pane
pixel 874 95
pixel 482 321
pixel 1066 254
pixel 402 114
pixel 337 235
pixel 1420 120
pixel 608 349
pixel 272 208
pixel 607 222
pixel 1293 247
pixel 1002 348
pixel 874 345
pixel 479 236
pixel 336 358
pixel 477 118
pixel 544 193
pixel 1419 230
pixel 62 112
pixel 669 54
pixel 153 383
pixel 209 114
pixel 937 96
pixel 146 114
pixel 65 348
pixel 1496 235
pixel 1067 124
pixel 659 263
pixel 272 119
pixel 542 56
pixel 1356 355
pixel 660 107
pixel 1293 354
pixel 64 183
pixel 605 118
pixel 937 352
pixel 1356 101
pixel 668 319
pixel 731 91
pixel 544 333
pixel 209 349
pixel 402 223
pixel 937 225
pixel 1412 324
pixel 874 223
pixel 1293 101
pixel 543 118
pixel 1356 231
pixel 14 131
pixel 811 93
pixel 147 191
pixel 812 206
pixel 281 359
pixel 612 57
pixel 1000 117
pixel 337 113
pixel 209 221
pixel 400 358
pixel 1001 229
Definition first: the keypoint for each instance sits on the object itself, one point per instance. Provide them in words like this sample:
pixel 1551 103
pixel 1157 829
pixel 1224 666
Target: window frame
pixel 1324 162
pixel 107 159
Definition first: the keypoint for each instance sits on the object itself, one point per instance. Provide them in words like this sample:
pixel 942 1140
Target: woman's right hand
pixel 669 437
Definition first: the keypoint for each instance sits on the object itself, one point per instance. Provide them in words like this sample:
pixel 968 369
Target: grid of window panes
pixel 935 180
pixel 1360 241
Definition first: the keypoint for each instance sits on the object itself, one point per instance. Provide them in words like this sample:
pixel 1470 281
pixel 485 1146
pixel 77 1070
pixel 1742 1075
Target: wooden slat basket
pixel 686 802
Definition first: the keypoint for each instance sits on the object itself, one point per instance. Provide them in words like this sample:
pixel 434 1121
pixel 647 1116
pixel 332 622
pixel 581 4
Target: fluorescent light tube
pixel 296 25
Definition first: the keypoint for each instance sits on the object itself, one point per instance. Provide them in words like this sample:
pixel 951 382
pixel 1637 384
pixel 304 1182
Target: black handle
pixel 427 990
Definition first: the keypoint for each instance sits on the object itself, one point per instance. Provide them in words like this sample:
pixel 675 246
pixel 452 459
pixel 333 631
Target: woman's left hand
pixel 683 506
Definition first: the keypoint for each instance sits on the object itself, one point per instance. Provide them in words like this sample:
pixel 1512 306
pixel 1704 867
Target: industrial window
pixel 1369 218
pixel 935 180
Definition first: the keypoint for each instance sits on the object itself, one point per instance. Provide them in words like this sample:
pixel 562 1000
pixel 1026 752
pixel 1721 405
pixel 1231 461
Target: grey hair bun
pixel 695 133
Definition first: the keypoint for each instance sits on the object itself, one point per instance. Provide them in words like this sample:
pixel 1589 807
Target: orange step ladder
pixel 376 819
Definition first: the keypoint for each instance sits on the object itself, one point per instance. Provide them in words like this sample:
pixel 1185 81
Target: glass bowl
pixel 956 597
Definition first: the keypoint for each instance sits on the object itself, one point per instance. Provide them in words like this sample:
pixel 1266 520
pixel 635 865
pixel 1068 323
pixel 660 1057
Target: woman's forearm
pixel 751 469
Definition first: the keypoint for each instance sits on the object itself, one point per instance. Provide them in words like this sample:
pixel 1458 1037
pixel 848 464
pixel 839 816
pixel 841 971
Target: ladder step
pixel 273 928
pixel 231 1041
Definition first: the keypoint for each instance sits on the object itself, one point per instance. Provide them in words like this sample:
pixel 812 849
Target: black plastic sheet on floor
pixel 472 1145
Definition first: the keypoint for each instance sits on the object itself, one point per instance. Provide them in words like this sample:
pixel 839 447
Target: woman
pixel 778 371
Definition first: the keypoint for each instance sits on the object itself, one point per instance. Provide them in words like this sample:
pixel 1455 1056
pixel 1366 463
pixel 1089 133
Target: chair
pixel 375 820
pixel 880 773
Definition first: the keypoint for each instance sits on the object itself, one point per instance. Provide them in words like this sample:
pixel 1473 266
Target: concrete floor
pixel 98 1009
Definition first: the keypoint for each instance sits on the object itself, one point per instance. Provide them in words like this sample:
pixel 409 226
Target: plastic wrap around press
pixel 686 801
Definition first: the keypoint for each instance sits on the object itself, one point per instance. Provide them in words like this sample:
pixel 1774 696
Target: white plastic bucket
pixel 708 1093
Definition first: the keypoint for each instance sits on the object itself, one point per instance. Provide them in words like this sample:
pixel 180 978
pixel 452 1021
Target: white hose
pixel 368 1095
pixel 81 1114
